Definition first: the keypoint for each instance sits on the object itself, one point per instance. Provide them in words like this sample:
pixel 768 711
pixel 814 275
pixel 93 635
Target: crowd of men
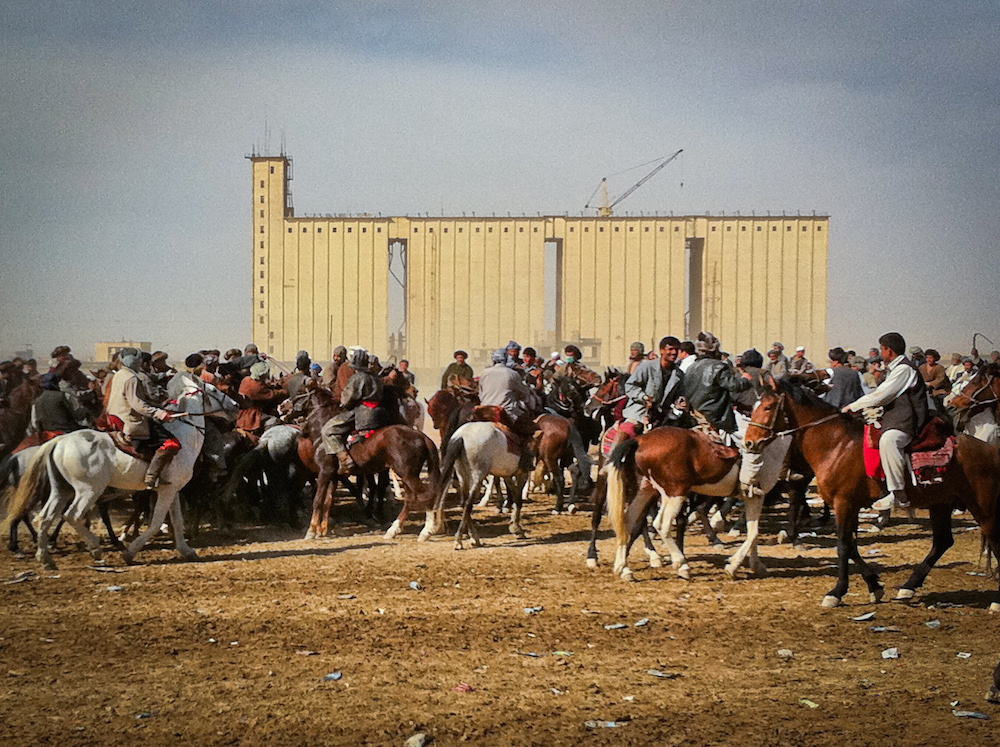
pixel 684 383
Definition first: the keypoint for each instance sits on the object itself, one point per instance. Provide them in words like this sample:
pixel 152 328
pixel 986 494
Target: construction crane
pixel 606 207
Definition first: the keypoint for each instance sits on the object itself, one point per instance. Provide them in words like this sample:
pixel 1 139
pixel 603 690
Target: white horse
pixel 72 472
pixel 477 450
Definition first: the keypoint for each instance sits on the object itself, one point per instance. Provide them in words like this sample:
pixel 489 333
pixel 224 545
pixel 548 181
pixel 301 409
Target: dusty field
pixel 214 652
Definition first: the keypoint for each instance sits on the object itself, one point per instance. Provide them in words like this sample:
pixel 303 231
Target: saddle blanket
pixel 930 467
pixel 36 439
pixel 358 436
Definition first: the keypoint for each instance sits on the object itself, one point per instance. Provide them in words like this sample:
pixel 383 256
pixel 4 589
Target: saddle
pixel 358 437
pixel 142 450
pixel 502 420
pixel 930 452
pixel 36 439
pixel 721 443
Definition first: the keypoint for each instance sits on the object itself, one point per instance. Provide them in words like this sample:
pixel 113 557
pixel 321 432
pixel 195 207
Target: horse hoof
pixel 876 596
pixel 190 555
pixel 591 562
pixel 627 575
pixel 831 601
pixel 905 594
pixel 782 537
pixel 684 572
pixel 49 565
pixel 128 558
pixel 760 570
pixel 310 535
pixel 731 572
pixel 993 695
pixel 571 509
pixel 995 607
pixel 655 561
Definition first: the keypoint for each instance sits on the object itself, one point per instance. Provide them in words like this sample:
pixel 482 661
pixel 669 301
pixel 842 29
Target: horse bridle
pixel 772 430
pixel 982 402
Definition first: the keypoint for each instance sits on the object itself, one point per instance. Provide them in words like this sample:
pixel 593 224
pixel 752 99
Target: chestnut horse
pixel 670 463
pixel 15 416
pixel 608 398
pixel 832 444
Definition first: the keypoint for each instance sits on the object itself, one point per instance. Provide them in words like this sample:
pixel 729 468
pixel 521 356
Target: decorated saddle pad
pixel 358 437
pixel 930 467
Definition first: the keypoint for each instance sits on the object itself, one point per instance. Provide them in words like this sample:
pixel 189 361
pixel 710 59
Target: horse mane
pixel 801 393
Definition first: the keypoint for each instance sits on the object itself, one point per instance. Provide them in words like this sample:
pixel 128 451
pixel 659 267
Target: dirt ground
pixel 234 649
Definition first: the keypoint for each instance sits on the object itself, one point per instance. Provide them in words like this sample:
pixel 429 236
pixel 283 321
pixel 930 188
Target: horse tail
pixel 34 483
pixel 454 452
pixel 622 458
pixel 988 544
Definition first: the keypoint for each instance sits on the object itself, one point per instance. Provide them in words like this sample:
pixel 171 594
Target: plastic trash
pixel 533 610
pixel 864 618
pixel 643 622
pixel 971 714
pixel 808 703
pixel 562 653
pixel 306 652
pixel 884 629
pixel 785 653
pixel 663 675
pixel 415 585
pixel 116 588
pixel 333 677
pixel 964 655
pixel 349 596
pixel 933 624
pixel 603 724
pixel 615 626
pixel 463 687
pixel 891 653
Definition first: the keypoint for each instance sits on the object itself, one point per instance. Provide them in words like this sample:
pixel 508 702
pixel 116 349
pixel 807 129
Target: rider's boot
pixel 161 460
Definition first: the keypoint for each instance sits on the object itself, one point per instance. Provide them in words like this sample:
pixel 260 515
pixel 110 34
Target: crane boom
pixel 605 210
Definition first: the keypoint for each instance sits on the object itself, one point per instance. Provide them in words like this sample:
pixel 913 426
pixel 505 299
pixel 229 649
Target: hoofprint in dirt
pixel 235 649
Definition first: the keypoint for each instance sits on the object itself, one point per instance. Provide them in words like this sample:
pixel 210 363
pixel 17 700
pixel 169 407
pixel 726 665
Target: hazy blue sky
pixel 123 129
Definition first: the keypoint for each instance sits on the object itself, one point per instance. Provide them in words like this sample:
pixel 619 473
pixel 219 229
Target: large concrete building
pixel 476 282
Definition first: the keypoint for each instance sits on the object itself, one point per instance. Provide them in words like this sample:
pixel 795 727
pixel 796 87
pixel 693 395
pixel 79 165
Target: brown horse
pixel 399 448
pixel 450 408
pixel 670 463
pixel 558 446
pixel 15 416
pixel 608 398
pixel 832 444
pixel 976 408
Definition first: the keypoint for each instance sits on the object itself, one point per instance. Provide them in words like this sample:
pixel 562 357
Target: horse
pixel 14 418
pixel 670 463
pixel 607 397
pixel 399 448
pixel 975 408
pixel 558 445
pixel 475 451
pixel 450 408
pixel 70 473
pixel 832 443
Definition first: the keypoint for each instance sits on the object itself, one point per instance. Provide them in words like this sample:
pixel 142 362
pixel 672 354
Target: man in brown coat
pixel 259 398
pixel 936 378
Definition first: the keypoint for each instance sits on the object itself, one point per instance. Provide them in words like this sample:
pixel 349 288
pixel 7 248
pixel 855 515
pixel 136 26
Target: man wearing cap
pixel 338 359
pixel 917 357
pixel 636 355
pixel 160 370
pixel 459 370
pixel 935 378
pixel 297 380
pixel 130 410
pixel 532 370
pixel 709 384
pixel 251 355
pixel 956 369
pixel 903 398
pixel 54 412
pixel 360 400
pixel 799 364
pixel 503 387
pixel 844 381
pixel 652 390
pixel 260 399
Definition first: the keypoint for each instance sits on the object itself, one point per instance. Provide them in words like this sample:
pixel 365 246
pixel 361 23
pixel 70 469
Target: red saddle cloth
pixel 502 420
pixel 36 439
pixel 357 437
pixel 930 453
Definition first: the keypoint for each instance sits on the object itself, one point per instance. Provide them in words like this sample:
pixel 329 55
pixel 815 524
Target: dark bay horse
pixel 976 408
pixel 15 416
pixel 450 408
pixel 832 444
pixel 607 398
pixel 558 445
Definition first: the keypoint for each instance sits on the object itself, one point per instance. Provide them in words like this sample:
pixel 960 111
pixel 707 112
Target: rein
pixel 774 433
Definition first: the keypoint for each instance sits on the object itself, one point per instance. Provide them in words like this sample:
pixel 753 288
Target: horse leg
pixel 753 505
pixel 105 511
pixel 558 485
pixel 156 521
pixel 319 499
pixel 180 541
pixel 671 507
pixel 637 521
pixel 484 501
pixel 942 539
pixel 847 548
pixel 600 494
pixel 517 486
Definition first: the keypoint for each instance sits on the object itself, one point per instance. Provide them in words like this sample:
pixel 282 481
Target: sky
pixel 125 210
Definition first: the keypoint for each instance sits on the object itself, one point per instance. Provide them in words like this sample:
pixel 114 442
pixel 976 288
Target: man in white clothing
pixel 903 397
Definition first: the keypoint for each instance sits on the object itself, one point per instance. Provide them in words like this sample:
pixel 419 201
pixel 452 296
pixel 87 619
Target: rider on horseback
pixel 139 420
pixel 653 390
pixel 361 400
pixel 503 387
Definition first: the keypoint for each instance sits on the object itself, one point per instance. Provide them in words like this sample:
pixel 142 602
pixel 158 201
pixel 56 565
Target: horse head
pixel 982 390
pixel 201 398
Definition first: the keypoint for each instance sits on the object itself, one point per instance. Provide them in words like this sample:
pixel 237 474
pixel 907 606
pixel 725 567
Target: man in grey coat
pixel 653 390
